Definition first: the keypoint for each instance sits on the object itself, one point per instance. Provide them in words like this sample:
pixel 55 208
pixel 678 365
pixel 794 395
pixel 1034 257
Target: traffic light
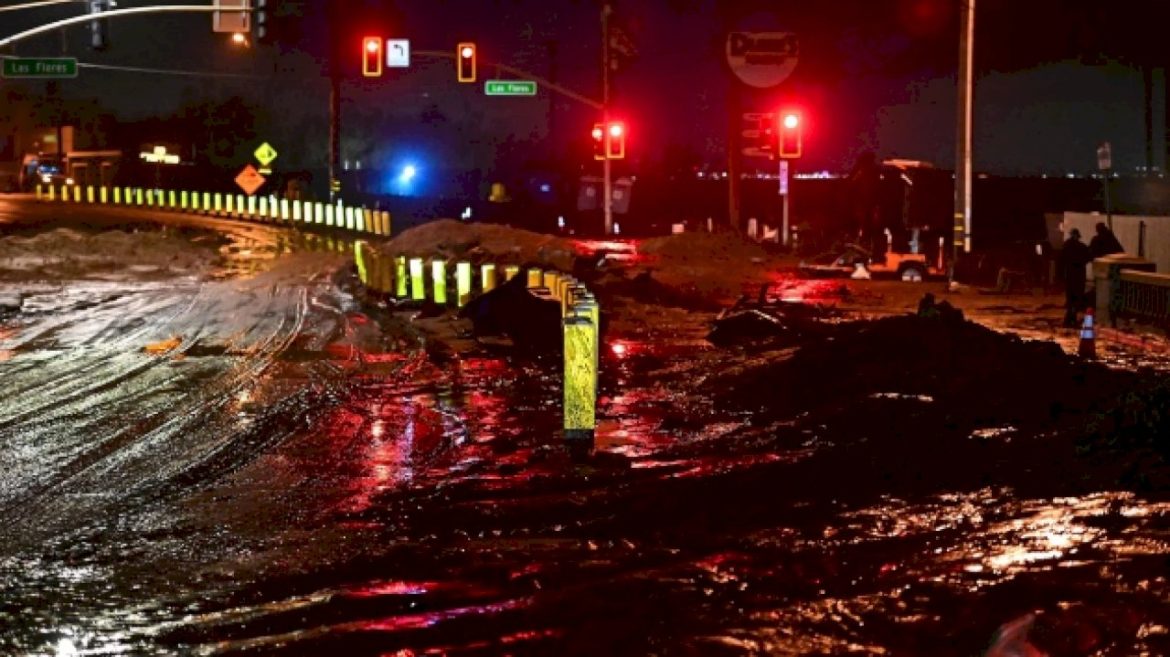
pixel 99 38
pixel 260 20
pixel 372 57
pixel 790 135
pixel 465 60
pixel 615 141
pixel 598 135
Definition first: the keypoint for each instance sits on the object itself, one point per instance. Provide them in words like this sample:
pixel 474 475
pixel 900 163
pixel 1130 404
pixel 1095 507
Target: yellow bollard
pixel 77 193
pixel 284 209
pixel 149 197
pixel 328 215
pixel 231 205
pixel 588 307
pixel 551 282
pixel 296 211
pixel 400 277
pixel 117 196
pixel 273 208
pixel 196 205
pixel 218 203
pixel 251 207
pixel 64 194
pixel 89 193
pixel 171 199
pixel 138 196
pixel 40 191
pixel 580 378
pixel 263 208
pixel 350 220
pixel 128 194
pixel 184 200
pixel 318 213
pixel 362 217
pixel 439 281
pixel 510 272
pixel 418 290
pixel 363 274
pixel 463 283
pixel 487 276
pixel 386 223
pixel 52 193
pixel 207 201
pixel 104 195
pixel 535 278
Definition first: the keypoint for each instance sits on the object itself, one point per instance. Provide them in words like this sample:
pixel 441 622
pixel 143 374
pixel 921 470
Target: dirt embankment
pixel 478 243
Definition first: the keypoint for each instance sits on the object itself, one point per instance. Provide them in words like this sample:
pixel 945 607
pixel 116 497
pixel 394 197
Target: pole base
pixel 577 435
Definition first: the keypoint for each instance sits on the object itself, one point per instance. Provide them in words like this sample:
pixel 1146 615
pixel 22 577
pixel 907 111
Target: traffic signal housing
pixel 261 26
pixel 615 140
pixel 790 142
pixel 465 61
pixel 599 141
pixel 99 37
pixel 372 57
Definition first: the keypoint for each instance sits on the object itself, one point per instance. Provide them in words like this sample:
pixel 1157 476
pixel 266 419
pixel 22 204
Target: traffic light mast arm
pixel 36 5
pixel 568 93
pixel 113 13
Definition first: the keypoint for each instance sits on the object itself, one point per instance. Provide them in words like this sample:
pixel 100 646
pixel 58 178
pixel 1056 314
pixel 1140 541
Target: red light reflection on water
pixel 429 619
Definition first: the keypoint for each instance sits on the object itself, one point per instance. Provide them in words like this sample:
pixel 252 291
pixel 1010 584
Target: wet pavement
pixel 263 461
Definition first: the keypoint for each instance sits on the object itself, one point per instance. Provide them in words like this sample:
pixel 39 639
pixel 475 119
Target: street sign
pixel 762 59
pixel 265 154
pixel 1105 157
pixel 238 21
pixel 758 152
pixel 250 180
pixel 398 53
pixel 159 156
pixel 509 88
pixel 39 67
pixel 784 177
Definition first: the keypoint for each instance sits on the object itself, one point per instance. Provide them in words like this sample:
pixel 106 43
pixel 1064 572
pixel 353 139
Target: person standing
pixel 1104 242
pixel 1074 256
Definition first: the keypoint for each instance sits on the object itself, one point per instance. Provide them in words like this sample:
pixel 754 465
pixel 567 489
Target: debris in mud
pixel 769 322
pixel 532 321
pixel 646 288
pixel 68 253
pixel 163 346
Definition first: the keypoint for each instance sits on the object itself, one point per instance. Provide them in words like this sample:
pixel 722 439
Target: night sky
pixel 1055 77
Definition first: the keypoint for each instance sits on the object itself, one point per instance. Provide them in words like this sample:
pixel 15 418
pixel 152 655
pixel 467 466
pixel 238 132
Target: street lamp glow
pixel 791 121
pixel 239 38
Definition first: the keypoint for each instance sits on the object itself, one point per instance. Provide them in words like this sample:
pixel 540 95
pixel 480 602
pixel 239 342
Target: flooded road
pixel 261 462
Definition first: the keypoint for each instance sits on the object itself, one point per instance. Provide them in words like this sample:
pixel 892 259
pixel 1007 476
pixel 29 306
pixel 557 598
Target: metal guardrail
pixel 1144 296
pixel 264 209
pixel 410 279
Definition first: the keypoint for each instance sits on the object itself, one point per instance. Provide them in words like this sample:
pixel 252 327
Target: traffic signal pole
pixel 961 241
pixel 607 172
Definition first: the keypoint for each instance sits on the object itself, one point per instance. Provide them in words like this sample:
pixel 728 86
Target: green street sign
pixel 509 88
pixel 39 67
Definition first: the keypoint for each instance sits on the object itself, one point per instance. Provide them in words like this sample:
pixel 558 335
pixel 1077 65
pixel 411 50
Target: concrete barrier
pixel 580 378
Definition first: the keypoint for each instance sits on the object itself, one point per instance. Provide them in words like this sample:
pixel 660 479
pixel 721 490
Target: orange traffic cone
pixel 1088 346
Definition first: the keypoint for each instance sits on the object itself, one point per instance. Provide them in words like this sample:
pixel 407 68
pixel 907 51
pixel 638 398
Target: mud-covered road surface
pixel 253 457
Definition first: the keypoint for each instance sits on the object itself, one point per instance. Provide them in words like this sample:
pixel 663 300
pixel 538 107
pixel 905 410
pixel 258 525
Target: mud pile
pixel 911 381
pixel 703 247
pixel 65 253
pixel 481 243
pixel 714 268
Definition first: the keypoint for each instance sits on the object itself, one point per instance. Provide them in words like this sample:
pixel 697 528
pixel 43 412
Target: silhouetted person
pixel 1104 242
pixel 1073 258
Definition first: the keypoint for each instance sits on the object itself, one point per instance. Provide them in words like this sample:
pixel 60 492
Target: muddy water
pixel 299 476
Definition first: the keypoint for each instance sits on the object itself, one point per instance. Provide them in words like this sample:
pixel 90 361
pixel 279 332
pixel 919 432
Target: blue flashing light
pixel 408 173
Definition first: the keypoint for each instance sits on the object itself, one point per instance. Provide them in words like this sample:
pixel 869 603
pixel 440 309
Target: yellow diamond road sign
pixel 265 154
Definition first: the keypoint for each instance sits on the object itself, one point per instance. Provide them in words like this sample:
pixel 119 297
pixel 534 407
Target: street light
pixel 240 39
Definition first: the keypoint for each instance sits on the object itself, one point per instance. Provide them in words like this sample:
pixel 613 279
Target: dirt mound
pixel 482 242
pixel 65 253
pixel 981 378
pixel 703 247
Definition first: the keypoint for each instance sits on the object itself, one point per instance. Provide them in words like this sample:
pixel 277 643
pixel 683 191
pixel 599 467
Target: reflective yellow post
pixel 439 281
pixel 535 278
pixel 580 379
pixel 149 197
pixel 510 272
pixel 363 219
pixel 463 283
pixel 400 277
pixel 52 193
pixel 551 280
pixel 296 211
pixel 363 275
pixel 231 205
pixel 263 208
pixel 117 196
pixel 418 289
pixel 40 192
pixel 89 193
pixel 386 223
pixel 251 207
pixel 138 196
pixel 488 277
pixel 77 193
pixel 284 209
pixel 350 220
pixel 273 208
pixel 328 215
pixel 184 200
pixel 218 203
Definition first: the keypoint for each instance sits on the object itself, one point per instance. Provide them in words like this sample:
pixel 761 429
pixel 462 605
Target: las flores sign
pixel 762 59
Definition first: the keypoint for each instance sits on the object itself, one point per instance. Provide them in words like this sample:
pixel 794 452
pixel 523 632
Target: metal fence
pixel 1145 296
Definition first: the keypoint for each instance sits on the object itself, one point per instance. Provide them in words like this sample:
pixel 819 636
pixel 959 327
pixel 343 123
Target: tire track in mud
pixel 155 444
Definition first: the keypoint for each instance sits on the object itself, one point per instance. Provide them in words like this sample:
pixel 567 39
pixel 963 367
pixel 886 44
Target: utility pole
pixel 607 174
pixel 964 119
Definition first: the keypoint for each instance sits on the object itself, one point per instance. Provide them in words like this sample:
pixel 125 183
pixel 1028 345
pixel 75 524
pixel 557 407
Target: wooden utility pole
pixel 964 119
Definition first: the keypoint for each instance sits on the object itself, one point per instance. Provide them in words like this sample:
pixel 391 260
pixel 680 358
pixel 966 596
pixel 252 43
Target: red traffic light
pixel 790 142
pixel 465 62
pixel 791 121
pixel 598 135
pixel 372 57
pixel 615 147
